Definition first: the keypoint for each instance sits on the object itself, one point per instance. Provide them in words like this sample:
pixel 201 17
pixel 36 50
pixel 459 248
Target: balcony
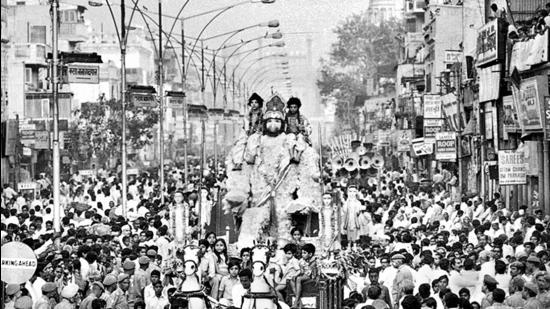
pixel 30 53
pixel 73 32
pixel 415 7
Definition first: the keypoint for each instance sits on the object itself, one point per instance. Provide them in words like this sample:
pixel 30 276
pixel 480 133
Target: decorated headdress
pixel 256 97
pixel 294 101
pixel 274 109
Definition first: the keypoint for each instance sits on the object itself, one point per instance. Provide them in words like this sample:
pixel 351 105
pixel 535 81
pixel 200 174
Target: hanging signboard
pixel 175 102
pixel 144 100
pixel 421 148
pixel 26 137
pixel 383 138
pixel 547 116
pixel 432 106
pixel 511 168
pixel 445 146
pixel 528 102
pixel 82 74
pixel 431 127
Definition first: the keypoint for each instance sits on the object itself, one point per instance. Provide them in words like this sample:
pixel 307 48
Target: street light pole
pixel 55 103
pixel 185 160
pixel 161 99
pixel 123 102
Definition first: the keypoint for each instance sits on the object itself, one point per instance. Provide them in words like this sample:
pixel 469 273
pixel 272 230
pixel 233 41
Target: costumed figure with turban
pixel 255 115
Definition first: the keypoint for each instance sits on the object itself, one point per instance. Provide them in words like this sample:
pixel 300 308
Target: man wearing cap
pixel 489 285
pixel 141 279
pixel 515 299
pixel 23 302
pixel 97 291
pixel 403 274
pixel 110 284
pixel 531 267
pixel 152 255
pixel 542 279
pixel 49 296
pixel 129 268
pixel 530 291
pixel 68 295
pixel 119 299
pixel 13 292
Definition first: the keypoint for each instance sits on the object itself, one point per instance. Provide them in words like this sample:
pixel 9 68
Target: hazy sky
pixel 299 19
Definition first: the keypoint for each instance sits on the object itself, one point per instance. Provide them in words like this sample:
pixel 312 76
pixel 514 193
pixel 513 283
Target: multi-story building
pixel 381 10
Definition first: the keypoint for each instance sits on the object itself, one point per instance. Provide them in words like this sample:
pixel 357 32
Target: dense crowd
pixel 402 247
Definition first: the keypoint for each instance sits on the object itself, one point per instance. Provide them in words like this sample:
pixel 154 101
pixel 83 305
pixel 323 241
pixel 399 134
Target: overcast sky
pixel 299 19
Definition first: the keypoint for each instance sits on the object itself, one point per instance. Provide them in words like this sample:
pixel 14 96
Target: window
pixel 28 75
pixel 38 34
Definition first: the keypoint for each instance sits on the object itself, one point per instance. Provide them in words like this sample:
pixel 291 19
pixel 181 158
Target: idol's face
pixel 273 125
pixel 255 104
pixel 293 108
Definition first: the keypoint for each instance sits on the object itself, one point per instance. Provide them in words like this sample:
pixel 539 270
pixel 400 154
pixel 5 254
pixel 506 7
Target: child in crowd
pixel 291 268
pixel 308 271
pixel 228 282
pixel 220 257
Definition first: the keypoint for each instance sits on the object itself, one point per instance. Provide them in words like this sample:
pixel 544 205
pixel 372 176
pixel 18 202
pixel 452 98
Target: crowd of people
pixel 402 247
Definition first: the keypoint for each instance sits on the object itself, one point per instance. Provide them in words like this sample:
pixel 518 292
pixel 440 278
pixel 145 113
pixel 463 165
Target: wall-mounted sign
pixel 547 116
pixel 528 102
pixel 511 168
pixel 445 146
pixel 510 121
pixel 404 140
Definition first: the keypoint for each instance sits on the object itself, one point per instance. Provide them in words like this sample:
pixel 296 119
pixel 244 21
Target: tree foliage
pixel 97 129
pixel 361 47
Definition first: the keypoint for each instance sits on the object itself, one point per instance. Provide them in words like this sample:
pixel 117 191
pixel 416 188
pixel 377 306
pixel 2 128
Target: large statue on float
pixel 272 172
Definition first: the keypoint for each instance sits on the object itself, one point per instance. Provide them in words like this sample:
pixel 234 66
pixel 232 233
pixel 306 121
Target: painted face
pixel 273 125
pixel 327 200
pixel 255 104
pixel 293 108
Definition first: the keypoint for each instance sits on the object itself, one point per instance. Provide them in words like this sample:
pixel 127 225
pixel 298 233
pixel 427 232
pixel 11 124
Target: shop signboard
pixel 143 100
pixel 431 127
pixel 445 146
pixel 432 106
pixel 455 118
pixel 528 102
pixel 26 137
pixel 453 56
pixel 41 140
pixel 511 168
pixel 383 138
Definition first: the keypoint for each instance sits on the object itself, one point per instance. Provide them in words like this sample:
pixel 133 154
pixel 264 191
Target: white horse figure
pixel 262 295
pixel 191 288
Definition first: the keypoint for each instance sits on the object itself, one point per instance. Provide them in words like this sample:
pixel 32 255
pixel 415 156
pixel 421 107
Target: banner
pixel 432 106
pixel 431 127
pixel 511 168
pixel 445 146
pixel 528 102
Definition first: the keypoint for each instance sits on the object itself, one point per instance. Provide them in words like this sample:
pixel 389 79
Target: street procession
pixel 275 154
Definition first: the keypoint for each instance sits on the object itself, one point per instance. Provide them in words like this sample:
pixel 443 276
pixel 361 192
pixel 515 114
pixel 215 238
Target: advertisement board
pixel 404 140
pixel 431 127
pixel 445 146
pixel 511 168
pixel 421 148
pixel 432 106
pixel 528 100
pixel 489 41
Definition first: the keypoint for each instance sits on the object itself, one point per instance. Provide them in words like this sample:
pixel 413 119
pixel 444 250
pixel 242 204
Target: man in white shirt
pixel 240 289
pixel 159 299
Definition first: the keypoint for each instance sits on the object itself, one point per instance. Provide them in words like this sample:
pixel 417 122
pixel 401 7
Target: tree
pixel 97 130
pixel 361 47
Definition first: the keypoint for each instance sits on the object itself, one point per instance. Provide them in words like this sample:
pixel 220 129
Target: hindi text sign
pixel 432 106
pixel 83 74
